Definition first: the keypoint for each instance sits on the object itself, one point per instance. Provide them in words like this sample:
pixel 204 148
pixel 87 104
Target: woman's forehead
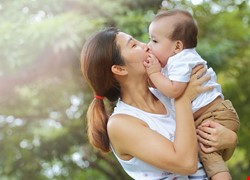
pixel 123 39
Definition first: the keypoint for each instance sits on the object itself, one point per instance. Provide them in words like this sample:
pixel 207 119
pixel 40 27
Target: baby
pixel 173 38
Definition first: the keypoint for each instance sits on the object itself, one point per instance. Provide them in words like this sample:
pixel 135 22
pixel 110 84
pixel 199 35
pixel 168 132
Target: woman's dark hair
pixel 185 27
pixel 99 54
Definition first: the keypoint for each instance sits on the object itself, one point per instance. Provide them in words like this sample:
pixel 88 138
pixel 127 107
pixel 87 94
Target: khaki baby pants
pixel 225 114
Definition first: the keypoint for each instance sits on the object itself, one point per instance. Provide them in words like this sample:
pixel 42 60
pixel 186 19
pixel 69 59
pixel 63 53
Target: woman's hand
pixel 195 87
pixel 212 136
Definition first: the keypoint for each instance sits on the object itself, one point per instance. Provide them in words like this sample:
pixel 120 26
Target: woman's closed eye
pixel 134 45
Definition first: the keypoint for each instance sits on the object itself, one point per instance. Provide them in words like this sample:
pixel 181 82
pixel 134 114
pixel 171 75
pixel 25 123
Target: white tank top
pixel 163 124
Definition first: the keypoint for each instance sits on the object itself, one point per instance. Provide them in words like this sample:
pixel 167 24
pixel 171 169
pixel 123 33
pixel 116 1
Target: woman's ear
pixel 178 46
pixel 119 70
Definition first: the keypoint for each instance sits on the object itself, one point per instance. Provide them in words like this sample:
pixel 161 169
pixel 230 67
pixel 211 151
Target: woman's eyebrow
pixel 129 40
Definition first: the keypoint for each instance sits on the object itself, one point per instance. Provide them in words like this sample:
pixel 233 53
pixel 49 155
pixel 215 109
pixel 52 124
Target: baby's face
pixel 160 45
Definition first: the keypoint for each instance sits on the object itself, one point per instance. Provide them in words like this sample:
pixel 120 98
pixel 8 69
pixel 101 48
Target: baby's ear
pixel 178 46
pixel 119 70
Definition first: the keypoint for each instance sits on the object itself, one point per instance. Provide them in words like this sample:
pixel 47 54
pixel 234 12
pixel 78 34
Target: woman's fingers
pixel 204 141
pixel 207 149
pixel 206 129
pixel 199 68
pixel 204 135
pixel 206 145
pixel 217 136
pixel 203 79
pixel 200 81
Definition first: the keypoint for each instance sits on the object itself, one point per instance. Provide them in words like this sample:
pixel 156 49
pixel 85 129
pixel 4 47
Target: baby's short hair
pixel 185 27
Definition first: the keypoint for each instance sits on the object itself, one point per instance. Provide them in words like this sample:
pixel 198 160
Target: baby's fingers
pixel 145 63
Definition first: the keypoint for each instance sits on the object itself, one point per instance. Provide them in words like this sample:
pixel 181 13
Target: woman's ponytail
pixel 99 54
pixel 97 125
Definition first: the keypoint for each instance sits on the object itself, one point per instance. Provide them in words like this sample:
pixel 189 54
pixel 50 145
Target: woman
pixel 146 136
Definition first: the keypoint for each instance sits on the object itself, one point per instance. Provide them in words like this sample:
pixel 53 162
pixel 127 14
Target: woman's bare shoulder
pixel 123 121
pixel 122 131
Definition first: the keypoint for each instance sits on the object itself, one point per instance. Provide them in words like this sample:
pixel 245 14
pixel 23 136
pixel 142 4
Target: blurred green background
pixel 43 98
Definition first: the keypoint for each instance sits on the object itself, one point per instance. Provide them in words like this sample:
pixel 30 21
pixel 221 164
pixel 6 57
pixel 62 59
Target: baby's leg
pixel 222 175
pixel 227 154
pixel 214 165
pixel 227 116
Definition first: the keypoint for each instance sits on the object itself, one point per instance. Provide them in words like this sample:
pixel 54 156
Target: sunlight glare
pixel 197 2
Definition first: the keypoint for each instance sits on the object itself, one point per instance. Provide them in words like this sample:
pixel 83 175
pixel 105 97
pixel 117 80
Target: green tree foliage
pixel 43 99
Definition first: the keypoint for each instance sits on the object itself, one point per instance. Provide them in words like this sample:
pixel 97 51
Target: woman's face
pixel 134 52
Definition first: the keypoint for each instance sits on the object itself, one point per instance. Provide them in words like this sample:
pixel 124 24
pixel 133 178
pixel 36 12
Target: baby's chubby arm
pixel 167 87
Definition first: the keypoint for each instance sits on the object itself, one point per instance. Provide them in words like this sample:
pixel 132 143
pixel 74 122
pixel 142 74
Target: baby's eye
pixel 153 40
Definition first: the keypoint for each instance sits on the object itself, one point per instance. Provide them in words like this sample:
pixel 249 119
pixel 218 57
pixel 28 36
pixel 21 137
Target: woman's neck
pixel 141 97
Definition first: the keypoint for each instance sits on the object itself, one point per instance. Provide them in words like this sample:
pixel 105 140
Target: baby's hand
pixel 152 65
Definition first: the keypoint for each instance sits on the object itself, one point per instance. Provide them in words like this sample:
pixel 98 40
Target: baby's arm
pixel 167 87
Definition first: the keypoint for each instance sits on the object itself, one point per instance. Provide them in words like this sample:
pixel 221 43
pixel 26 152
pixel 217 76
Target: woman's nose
pixel 149 48
pixel 146 47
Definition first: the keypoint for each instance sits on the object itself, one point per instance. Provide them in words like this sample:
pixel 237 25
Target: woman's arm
pixel 130 137
pixel 213 137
